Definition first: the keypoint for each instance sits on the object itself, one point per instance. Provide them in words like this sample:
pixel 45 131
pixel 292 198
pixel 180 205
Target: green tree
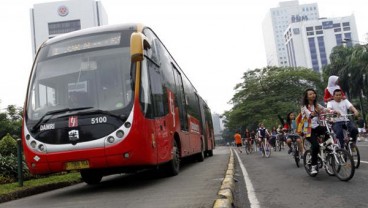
pixel 351 65
pixel 11 121
pixel 268 92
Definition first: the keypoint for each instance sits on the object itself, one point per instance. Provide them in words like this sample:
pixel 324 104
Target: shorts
pixel 361 130
pixel 293 137
pixel 238 145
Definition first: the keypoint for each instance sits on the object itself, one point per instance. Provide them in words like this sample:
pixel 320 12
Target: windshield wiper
pixel 52 113
pixel 122 117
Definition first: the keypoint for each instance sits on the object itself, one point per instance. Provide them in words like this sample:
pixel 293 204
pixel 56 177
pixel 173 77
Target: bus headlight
pixel 33 144
pixel 28 137
pixel 120 133
pixel 127 125
pixel 110 139
pixel 41 147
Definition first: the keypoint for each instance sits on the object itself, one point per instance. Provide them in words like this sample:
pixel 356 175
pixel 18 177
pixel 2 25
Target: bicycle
pixel 265 148
pixel 279 144
pixel 336 161
pixel 248 146
pixel 295 150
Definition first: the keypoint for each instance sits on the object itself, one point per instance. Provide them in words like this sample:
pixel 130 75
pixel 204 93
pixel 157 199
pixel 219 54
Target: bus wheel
pixel 91 177
pixel 201 155
pixel 210 153
pixel 172 168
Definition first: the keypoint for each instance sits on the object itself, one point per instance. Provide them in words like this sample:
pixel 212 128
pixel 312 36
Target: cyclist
pixel 311 129
pixel 238 141
pixel 247 137
pixel 333 84
pixel 273 137
pixel 262 133
pixel 341 107
pixel 289 128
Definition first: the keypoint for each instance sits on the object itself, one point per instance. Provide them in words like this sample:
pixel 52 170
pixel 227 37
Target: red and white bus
pixel 111 99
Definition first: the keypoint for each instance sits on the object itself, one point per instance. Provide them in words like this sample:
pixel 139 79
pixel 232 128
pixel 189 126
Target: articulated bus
pixel 108 100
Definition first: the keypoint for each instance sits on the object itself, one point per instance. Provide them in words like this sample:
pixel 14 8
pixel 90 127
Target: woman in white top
pixel 311 129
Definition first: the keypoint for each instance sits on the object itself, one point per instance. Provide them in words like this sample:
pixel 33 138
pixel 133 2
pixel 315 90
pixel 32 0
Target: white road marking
pixel 364 162
pixel 254 203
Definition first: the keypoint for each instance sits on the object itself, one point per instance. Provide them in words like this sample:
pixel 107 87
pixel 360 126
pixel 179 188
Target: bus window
pixel 159 95
pixel 145 94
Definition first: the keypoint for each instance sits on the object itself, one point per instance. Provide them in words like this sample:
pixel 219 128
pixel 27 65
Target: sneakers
pixel 314 169
pixel 289 151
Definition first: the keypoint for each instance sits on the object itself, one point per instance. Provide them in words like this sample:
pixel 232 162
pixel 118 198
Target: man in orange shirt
pixel 238 141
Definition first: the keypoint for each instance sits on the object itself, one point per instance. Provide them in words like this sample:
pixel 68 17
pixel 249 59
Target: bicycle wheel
pixel 328 166
pixel 247 148
pixel 267 150
pixel 296 155
pixel 343 165
pixel 279 145
pixel 308 162
pixel 354 151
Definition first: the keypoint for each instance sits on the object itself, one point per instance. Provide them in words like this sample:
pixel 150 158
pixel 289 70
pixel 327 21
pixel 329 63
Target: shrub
pixel 8 146
pixel 9 167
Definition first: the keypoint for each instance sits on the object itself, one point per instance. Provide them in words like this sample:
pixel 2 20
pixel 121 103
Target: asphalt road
pixel 277 182
pixel 196 186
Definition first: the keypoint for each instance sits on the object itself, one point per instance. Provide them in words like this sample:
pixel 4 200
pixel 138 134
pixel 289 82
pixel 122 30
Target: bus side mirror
pixel 138 43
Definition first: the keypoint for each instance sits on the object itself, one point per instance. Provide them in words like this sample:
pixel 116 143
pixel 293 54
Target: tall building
pixel 309 44
pixel 217 127
pixel 276 22
pixel 51 19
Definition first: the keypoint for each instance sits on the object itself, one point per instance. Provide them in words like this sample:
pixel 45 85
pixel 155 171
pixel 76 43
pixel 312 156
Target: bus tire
pixel 91 177
pixel 173 166
pixel 210 153
pixel 201 155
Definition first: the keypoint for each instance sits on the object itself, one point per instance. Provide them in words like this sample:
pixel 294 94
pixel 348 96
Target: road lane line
pixel 364 162
pixel 254 203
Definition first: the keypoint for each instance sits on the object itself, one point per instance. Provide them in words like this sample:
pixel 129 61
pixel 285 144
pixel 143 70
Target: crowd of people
pixel 308 125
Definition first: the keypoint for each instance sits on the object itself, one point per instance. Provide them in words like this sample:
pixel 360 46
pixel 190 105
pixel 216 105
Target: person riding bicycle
pixel 289 128
pixel 311 129
pixel 262 133
pixel 247 137
pixel 273 137
pixel 341 106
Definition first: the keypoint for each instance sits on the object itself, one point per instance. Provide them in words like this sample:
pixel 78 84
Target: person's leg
pixel 338 130
pixel 353 131
pixel 300 145
pixel 288 142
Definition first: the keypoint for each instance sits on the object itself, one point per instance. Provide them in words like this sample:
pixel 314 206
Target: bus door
pixel 160 110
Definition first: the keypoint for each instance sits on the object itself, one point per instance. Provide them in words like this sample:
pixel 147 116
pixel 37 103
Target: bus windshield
pixel 100 78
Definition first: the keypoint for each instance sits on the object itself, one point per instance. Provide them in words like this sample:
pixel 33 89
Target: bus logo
pixel 63 11
pixel 73 135
pixel 73 121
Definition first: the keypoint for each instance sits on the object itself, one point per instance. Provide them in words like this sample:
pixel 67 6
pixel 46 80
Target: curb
pixel 35 190
pixel 225 197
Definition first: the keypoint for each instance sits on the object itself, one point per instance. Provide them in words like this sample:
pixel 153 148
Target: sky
pixel 213 41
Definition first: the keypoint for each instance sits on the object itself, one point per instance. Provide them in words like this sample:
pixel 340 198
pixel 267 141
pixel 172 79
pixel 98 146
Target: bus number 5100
pixel 98 120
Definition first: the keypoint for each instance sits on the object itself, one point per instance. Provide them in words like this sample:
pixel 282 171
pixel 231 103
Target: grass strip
pixel 13 190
